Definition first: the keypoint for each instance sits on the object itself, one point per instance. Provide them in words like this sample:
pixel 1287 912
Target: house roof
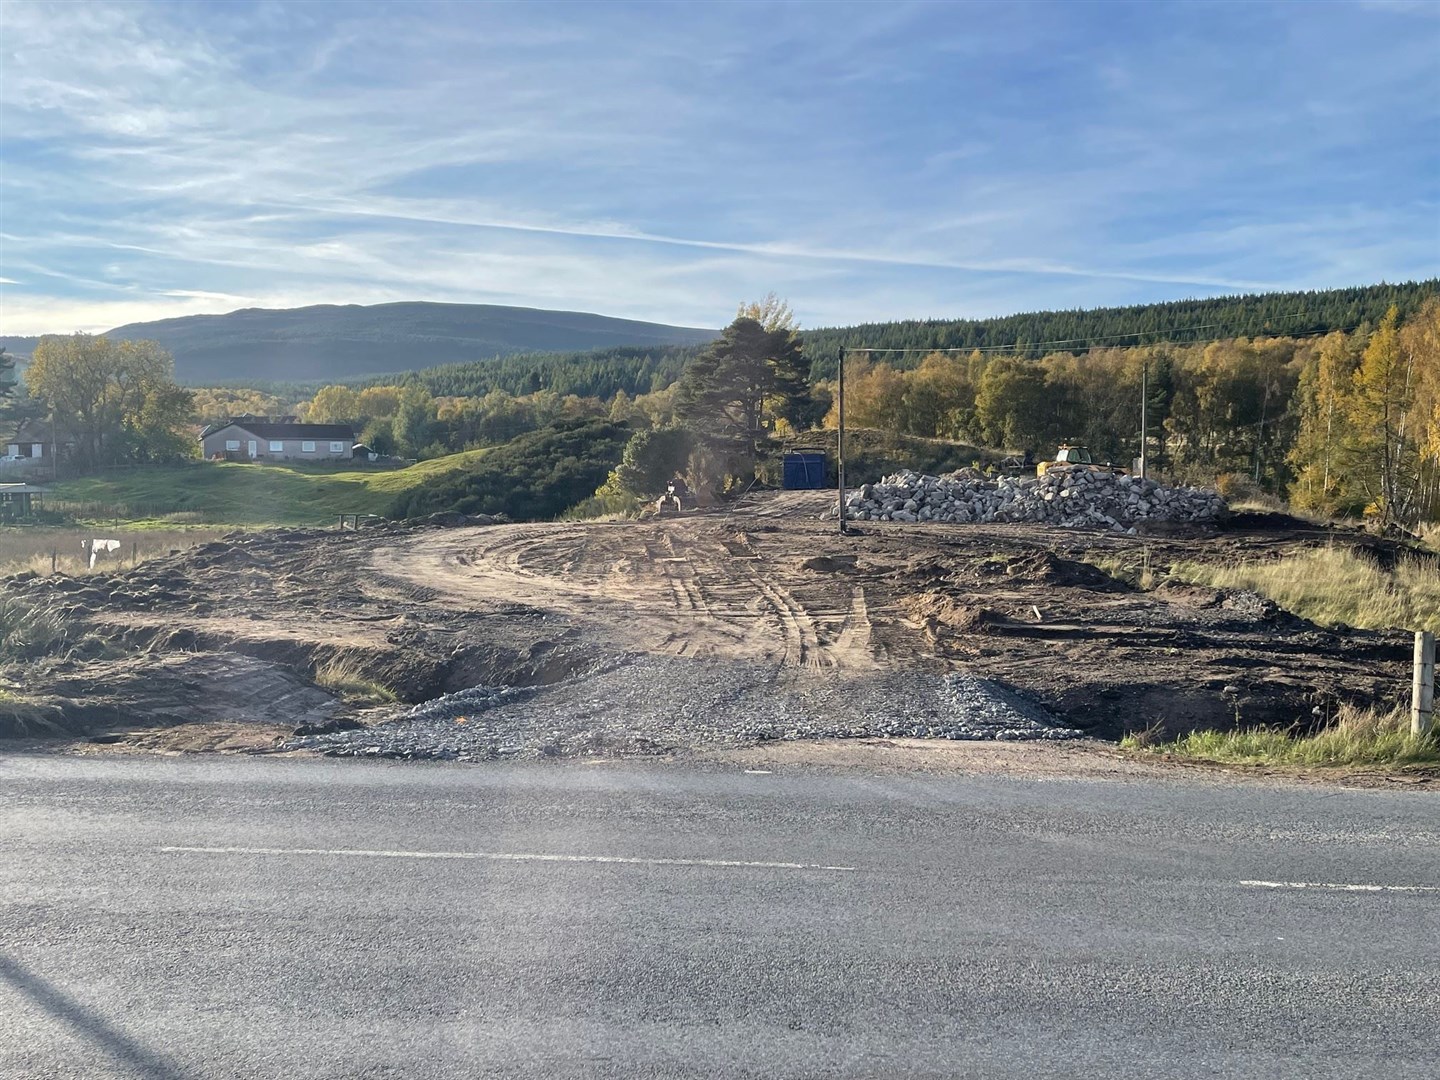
pixel 291 431
pixel 38 431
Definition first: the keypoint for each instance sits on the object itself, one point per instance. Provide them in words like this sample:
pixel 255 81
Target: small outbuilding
pixel 19 500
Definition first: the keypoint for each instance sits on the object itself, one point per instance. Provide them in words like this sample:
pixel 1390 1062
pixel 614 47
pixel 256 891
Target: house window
pixel 37 450
pixel 277 446
pixel 232 444
pixel 337 447
pixel 307 447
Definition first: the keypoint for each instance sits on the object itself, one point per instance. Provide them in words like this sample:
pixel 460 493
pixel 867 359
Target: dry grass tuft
pixel 27 631
pixel 1335 585
pixel 345 675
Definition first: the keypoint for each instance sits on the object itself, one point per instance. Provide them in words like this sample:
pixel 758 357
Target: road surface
pixel 169 918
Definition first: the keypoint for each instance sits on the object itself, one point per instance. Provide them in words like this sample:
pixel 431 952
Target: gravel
pixel 646 704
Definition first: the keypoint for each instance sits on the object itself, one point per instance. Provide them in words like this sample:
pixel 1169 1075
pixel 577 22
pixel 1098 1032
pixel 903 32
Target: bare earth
pixel 216 648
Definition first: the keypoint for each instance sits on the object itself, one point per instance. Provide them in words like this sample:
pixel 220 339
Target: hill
pixel 639 370
pixel 330 343
pixel 231 493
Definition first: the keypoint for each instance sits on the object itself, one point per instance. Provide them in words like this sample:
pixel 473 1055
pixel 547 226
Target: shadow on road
pixel 87 1022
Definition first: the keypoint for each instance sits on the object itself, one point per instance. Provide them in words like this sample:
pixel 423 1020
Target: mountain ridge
pixel 337 341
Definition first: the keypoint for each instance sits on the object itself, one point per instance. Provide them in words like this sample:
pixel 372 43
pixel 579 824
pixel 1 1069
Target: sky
pixel 666 162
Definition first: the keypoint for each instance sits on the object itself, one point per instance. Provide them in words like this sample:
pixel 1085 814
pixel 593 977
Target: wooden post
pixel 134 549
pixel 54 559
pixel 1422 701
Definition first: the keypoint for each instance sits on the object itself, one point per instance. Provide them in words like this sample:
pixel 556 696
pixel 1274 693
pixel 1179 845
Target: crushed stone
pixel 647 704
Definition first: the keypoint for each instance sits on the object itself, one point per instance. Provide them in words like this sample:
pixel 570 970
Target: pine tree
pixel 743 381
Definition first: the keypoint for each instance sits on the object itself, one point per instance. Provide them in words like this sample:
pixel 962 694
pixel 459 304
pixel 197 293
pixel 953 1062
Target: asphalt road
pixel 168 918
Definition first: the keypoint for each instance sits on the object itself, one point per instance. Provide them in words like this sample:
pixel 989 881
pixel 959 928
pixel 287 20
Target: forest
pixel 1340 422
pixel 1337 415
pixel 1347 423
pixel 1277 314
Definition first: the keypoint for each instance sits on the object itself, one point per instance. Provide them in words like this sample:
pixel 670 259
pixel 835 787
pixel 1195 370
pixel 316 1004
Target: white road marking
pixel 504 856
pixel 1339 887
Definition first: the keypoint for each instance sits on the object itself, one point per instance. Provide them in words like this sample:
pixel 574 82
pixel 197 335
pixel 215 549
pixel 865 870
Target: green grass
pixel 1356 737
pixel 232 493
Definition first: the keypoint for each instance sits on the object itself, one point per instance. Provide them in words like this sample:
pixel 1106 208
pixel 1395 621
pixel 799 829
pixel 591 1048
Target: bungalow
pixel 252 440
pixel 35 439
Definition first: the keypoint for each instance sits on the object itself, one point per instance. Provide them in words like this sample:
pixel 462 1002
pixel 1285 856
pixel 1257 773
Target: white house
pixel 253 440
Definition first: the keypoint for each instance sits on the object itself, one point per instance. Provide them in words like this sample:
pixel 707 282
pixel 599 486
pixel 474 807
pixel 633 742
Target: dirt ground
pixel 207 642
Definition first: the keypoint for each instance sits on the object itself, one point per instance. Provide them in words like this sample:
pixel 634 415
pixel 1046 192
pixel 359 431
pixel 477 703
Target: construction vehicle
pixel 677 498
pixel 1073 456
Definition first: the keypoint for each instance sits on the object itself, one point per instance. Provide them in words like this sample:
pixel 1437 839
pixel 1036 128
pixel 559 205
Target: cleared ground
pixel 765 609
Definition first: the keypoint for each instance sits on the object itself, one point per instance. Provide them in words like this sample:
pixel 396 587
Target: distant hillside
pixel 636 371
pixel 331 343
pixel 1275 314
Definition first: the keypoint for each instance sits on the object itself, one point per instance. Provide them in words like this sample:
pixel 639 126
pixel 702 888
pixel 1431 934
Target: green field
pixel 231 493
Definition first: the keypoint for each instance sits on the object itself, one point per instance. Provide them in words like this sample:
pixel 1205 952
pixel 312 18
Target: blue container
pixel 804 470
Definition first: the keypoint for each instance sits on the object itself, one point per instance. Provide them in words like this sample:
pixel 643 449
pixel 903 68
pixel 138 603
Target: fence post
pixel 1422 700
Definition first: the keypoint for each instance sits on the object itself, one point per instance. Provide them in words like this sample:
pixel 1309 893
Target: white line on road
pixel 1339 887
pixel 503 856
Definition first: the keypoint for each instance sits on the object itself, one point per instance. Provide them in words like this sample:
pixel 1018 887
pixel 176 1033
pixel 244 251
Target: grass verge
pixel 1335 585
pixel 1355 737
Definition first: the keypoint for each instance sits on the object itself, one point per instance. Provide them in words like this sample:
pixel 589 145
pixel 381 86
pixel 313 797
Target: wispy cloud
pixel 868 161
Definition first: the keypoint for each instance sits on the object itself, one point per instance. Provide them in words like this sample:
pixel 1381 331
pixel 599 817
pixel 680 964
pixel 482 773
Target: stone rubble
pixel 646 705
pixel 1066 497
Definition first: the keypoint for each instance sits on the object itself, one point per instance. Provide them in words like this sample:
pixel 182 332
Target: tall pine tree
pixel 744 381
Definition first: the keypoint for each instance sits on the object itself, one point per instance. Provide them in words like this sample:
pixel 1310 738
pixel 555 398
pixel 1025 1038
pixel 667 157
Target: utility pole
pixel 840 439
pixel 1144 418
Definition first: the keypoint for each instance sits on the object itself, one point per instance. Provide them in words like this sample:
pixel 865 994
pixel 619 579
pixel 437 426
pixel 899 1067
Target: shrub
pixel 535 477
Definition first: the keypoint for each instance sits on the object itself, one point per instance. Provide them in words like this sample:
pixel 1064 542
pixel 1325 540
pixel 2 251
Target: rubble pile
pixel 1069 497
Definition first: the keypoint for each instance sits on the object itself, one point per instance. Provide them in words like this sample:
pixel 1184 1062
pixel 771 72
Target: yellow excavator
pixel 1074 456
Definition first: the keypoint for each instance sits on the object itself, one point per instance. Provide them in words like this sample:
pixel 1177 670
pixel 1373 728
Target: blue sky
pixel 667 161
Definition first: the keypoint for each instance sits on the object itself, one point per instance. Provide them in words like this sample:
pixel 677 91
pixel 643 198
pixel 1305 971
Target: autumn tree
pixel 334 405
pixel 1382 439
pixel 214 405
pixel 1325 385
pixel 772 313
pixel 1420 342
pixel 1012 405
pixel 378 402
pixel 113 397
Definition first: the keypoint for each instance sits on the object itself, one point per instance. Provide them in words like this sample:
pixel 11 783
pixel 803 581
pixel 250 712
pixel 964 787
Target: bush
pixel 536 477
pixel 652 458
